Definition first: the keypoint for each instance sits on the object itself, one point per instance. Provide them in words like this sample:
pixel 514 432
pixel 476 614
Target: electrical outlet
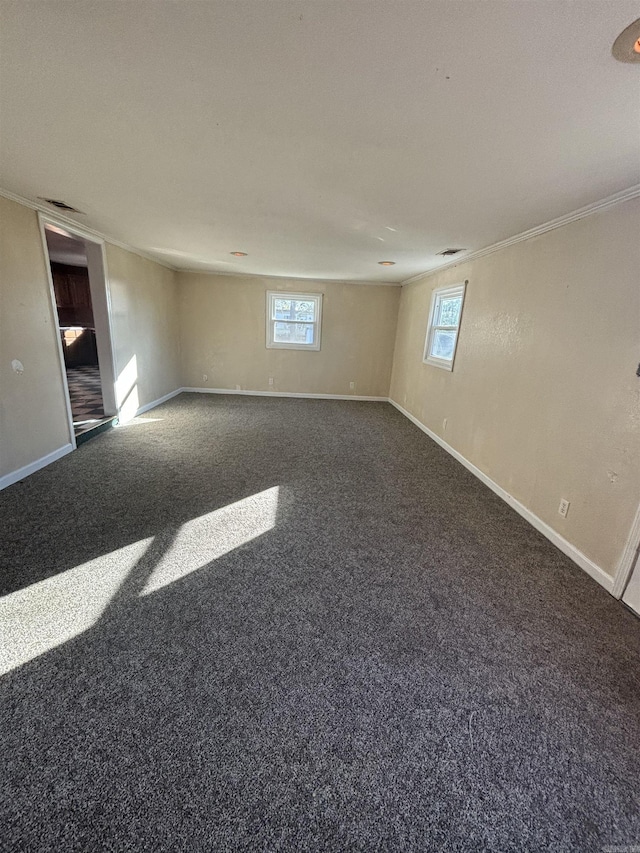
pixel 237 387
pixel 352 385
pixel 204 377
pixel 563 509
pixel 271 380
pixel 444 425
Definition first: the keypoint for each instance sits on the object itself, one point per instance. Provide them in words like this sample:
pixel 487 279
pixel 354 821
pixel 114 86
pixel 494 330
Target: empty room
pixel 319 425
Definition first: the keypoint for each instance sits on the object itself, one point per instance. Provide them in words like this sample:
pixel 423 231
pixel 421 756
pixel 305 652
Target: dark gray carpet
pixel 401 663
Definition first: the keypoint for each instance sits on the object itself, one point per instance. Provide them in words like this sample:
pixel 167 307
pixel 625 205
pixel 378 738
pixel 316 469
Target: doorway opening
pixel 81 304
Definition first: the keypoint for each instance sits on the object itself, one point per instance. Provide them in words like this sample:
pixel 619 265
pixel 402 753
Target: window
pixel 293 320
pixel 444 324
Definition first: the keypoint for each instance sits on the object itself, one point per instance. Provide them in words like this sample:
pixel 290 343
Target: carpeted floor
pixel 299 625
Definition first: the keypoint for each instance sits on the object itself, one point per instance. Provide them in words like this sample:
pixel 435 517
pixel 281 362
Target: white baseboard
pixel 553 536
pixel 25 471
pixel 142 409
pixel 559 541
pixel 32 467
pixel 285 394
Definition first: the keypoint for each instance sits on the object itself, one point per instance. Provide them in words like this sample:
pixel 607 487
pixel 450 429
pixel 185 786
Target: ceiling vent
pixel 61 205
pixel 447 252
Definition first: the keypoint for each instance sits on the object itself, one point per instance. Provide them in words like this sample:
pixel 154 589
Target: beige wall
pixel 144 321
pixel 223 336
pixel 33 415
pixel 543 397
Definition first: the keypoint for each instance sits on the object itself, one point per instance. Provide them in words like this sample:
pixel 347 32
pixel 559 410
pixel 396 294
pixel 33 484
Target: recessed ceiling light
pixel 387 263
pixel 626 48
pixel 239 254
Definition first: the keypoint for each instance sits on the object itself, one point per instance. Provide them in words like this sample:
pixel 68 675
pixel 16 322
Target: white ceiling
pixel 319 137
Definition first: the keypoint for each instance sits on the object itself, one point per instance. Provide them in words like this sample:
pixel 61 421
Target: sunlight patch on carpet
pixel 214 534
pixel 47 614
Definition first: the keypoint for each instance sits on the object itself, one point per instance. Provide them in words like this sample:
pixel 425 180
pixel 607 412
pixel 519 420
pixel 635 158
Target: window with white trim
pixel 293 320
pixel 444 325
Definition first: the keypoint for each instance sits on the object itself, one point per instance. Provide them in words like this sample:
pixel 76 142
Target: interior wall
pixel 145 338
pixel 145 329
pixel 33 414
pixel 544 397
pixel 223 322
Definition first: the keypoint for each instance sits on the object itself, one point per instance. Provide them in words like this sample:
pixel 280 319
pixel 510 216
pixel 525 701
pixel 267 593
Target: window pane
pixel 281 308
pixel 449 314
pixel 293 333
pixel 305 309
pixel 442 344
pixel 294 309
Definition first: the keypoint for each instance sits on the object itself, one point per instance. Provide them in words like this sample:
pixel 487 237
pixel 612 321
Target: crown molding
pixel 551 225
pixel 559 222
pixel 59 217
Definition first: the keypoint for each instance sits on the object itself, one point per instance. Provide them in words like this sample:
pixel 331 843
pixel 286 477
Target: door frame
pixel 628 558
pixel 102 305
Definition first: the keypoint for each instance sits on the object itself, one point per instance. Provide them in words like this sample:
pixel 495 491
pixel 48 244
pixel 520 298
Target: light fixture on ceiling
pixel 238 254
pixel 387 263
pixel 446 252
pixel 626 48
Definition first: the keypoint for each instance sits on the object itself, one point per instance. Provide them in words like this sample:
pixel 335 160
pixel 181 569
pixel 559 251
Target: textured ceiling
pixel 318 137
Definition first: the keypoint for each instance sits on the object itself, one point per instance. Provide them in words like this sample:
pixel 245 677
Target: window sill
pixel 436 362
pixel 309 347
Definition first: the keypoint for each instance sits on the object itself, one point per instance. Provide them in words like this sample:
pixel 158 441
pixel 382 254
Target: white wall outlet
pixel 563 509
pixel 352 385
pixel 204 377
pixel 444 425
pixel 237 387
pixel 271 380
